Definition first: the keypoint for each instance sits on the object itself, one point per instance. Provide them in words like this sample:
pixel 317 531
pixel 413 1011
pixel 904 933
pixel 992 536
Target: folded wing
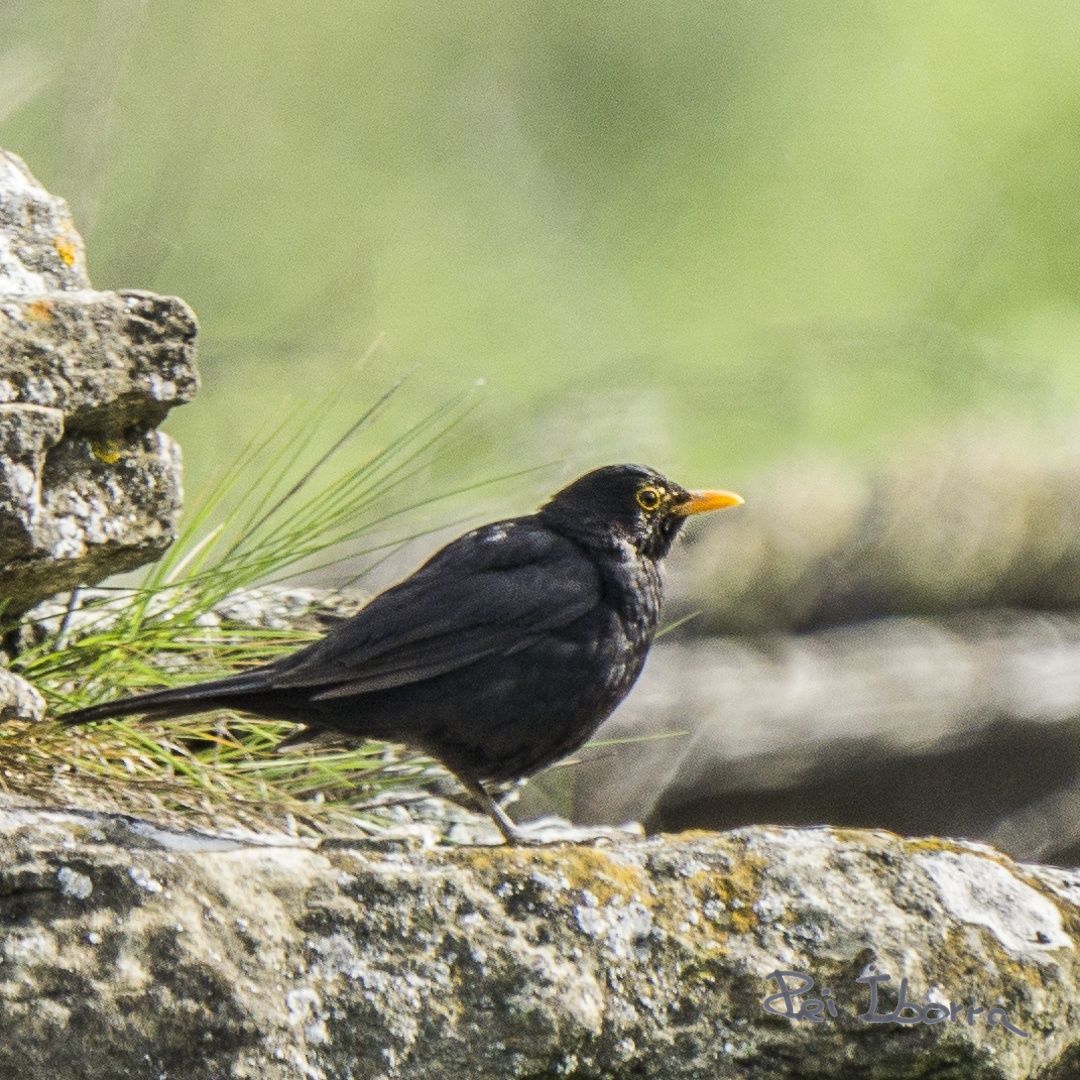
pixel 492 592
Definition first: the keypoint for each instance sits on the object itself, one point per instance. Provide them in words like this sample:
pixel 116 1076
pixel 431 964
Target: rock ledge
pixel 128 951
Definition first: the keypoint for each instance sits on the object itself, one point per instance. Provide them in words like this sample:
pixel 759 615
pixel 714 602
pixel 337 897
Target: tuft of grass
pixel 266 520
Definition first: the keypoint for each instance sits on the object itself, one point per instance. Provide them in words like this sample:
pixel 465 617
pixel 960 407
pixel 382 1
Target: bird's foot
pixel 512 835
pixel 543 833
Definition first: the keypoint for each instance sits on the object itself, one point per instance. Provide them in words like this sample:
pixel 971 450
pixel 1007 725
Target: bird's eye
pixel 648 498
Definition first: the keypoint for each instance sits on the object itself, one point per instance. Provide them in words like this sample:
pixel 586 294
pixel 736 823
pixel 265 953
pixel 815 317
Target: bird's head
pixel 621 504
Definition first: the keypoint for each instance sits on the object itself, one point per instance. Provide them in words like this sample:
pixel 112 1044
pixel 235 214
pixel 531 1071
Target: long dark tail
pixel 178 701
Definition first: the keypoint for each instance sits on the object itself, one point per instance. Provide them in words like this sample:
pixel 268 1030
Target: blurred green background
pixel 713 236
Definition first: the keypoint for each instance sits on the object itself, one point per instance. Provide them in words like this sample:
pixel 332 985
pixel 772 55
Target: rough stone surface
pixel 130 952
pixel 269 607
pixel 87 486
pixel 19 700
pixel 40 251
pixel 107 361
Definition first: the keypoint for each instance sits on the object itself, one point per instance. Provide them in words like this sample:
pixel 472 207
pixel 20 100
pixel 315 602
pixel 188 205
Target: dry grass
pixel 260 524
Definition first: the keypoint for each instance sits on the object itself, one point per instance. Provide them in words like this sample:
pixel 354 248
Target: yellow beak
pixel 701 502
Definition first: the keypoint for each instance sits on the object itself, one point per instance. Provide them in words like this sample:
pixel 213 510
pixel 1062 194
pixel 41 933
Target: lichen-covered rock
pixel 108 361
pixel 266 607
pixel 87 486
pixel 40 251
pixel 131 952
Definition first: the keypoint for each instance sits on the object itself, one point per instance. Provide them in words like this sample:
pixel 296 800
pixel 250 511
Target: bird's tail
pixel 176 701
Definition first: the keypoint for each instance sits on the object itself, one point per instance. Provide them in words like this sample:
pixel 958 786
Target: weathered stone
pixel 130 952
pixel 267 607
pixel 107 361
pixel 103 513
pixel 27 432
pixel 87 486
pixel 19 700
pixel 40 251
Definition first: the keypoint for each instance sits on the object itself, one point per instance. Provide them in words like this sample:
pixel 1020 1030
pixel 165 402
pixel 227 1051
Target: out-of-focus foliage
pixel 708 234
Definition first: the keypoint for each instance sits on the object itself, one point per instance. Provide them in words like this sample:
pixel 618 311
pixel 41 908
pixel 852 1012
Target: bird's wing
pixel 491 592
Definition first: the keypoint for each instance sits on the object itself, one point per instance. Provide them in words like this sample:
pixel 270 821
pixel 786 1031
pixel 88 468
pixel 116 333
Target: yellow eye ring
pixel 648 498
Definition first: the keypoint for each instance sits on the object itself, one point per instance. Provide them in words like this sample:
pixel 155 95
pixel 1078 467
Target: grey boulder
pixel 88 486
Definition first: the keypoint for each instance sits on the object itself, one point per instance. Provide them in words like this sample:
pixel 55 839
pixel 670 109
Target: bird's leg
pixel 511 834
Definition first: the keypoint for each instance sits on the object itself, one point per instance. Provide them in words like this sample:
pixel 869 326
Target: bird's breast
pixel 628 619
pixel 633 588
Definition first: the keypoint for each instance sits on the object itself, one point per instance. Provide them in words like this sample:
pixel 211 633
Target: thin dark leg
pixel 511 834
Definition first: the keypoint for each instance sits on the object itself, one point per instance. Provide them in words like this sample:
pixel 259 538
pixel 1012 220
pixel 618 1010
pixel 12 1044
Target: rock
pixel 106 361
pixel 85 514
pixel 19 700
pixel 968 726
pixel 267 607
pixel 133 952
pixel 88 488
pixel 41 252
pixel 276 607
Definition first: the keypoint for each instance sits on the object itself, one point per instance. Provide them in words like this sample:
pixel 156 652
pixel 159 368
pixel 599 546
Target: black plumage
pixel 504 652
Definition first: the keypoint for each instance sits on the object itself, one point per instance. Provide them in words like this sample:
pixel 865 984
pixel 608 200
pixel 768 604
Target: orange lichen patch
pixel 736 889
pixel 866 837
pixel 922 844
pixel 40 309
pixel 583 867
pixel 67 251
pixel 108 451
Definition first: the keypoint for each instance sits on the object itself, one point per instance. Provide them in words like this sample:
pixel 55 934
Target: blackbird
pixel 504 652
